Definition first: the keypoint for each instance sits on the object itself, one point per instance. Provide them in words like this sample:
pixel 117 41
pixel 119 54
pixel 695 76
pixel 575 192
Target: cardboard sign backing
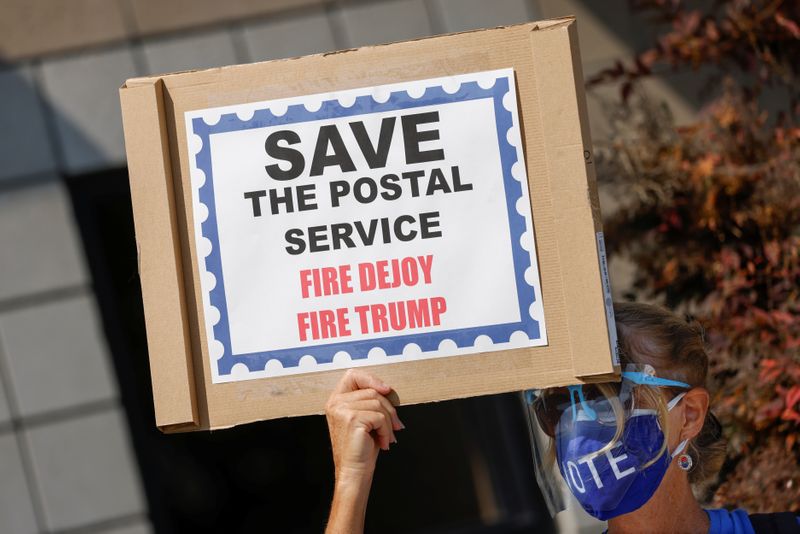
pixel 425 209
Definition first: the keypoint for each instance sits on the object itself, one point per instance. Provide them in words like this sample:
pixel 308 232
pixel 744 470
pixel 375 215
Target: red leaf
pixel 792 396
pixel 790 25
pixel 648 57
pixel 691 22
pixel 790 415
pixel 761 317
pixel 783 317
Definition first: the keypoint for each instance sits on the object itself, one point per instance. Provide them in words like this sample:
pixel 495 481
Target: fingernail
pixel 402 426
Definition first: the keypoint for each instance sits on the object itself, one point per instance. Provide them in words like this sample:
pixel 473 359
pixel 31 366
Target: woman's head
pixel 615 442
pixel 652 335
pixel 676 349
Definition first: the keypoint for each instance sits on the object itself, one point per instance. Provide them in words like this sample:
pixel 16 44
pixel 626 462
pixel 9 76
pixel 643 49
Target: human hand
pixel 361 420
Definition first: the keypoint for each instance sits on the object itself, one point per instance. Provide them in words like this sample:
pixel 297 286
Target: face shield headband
pixel 604 440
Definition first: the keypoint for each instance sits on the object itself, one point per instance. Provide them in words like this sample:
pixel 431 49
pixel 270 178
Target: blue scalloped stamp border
pixel 392 346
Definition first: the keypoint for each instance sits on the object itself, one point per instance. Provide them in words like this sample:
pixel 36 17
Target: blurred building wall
pixel 66 463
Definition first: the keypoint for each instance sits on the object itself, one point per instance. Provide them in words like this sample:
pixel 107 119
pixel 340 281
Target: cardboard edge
pixel 200 363
pixel 397 401
pixel 159 256
pixel 180 428
pixel 594 200
pixel 539 25
pixel 567 135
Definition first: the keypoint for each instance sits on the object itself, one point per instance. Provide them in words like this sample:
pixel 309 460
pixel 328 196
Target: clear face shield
pixel 604 443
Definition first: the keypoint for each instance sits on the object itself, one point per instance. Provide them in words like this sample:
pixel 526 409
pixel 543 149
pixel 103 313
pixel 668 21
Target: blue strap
pixel 573 390
pixel 649 380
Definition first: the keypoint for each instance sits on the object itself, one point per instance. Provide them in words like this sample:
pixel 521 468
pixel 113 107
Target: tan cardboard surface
pixel 160 266
pixel 545 59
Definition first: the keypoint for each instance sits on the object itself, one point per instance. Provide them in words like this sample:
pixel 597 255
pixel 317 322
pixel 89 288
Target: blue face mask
pixel 615 482
pixel 582 422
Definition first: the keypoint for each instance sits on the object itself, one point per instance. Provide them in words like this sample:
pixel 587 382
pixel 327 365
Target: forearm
pixel 361 422
pixel 349 506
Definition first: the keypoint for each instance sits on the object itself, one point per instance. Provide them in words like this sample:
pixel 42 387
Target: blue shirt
pixel 725 522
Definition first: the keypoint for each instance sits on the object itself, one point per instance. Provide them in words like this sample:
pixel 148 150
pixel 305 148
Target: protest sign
pixel 426 208
pixel 366 226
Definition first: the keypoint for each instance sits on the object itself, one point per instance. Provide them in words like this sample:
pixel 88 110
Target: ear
pixel 695 407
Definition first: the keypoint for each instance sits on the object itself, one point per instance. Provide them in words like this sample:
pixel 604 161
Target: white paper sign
pixel 366 226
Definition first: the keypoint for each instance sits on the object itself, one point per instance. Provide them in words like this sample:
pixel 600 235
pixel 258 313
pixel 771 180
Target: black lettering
pixel 387 235
pixel 329 136
pixel 341 233
pixel 437 182
pixel 317 238
pixel 392 188
pixel 367 236
pixel 294 236
pixel 339 189
pixel 294 157
pixel 375 156
pixel 306 195
pixel 413 178
pixel 275 200
pixel 412 137
pixel 255 197
pixel 457 185
pixel 372 190
pixel 398 228
pixel 428 222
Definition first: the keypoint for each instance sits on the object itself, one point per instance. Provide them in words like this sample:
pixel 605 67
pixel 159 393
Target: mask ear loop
pixel 670 405
pixel 675 400
pixel 679 448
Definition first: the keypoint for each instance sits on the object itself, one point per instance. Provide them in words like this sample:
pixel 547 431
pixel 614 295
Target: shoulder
pixel 739 522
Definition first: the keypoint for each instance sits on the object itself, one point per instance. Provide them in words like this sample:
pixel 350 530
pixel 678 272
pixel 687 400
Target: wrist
pixel 351 479
pixel 350 496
